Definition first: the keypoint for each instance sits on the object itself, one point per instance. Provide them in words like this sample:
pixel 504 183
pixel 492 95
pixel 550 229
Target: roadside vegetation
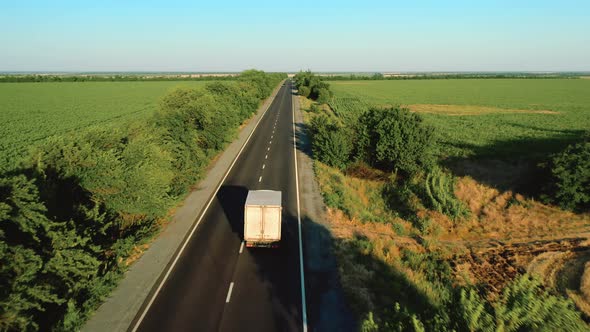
pixel 436 225
pixel 81 207
pixel 118 77
pixel 32 112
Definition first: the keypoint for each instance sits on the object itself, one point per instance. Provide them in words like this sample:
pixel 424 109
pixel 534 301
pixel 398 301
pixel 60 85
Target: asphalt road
pixel 265 283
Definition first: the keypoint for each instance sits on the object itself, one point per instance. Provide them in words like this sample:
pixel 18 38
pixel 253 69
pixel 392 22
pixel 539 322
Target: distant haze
pixel 227 36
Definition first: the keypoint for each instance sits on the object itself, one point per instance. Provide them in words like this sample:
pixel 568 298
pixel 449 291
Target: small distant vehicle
pixel 262 218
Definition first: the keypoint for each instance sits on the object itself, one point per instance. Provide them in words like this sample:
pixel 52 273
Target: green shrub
pixel 304 91
pixel 312 86
pixel 393 139
pixel 569 182
pixel 439 194
pixel 323 96
pixel 331 143
pixel 314 108
pixel 525 306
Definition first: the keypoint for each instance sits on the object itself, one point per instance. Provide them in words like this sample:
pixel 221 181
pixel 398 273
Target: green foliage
pixel 341 192
pixel 304 91
pixel 474 312
pixel 310 85
pixel 113 166
pixel 506 134
pixel 261 82
pixel 439 194
pixel 331 142
pixel 569 181
pixel 525 306
pixel 82 201
pixel 349 109
pixel 33 112
pixel 368 324
pixel 393 139
pixel 323 95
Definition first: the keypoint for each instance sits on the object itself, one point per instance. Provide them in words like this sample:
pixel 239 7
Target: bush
pixel 393 139
pixel 310 85
pixel 323 96
pixel 304 91
pixel 569 183
pixel 439 194
pixel 331 143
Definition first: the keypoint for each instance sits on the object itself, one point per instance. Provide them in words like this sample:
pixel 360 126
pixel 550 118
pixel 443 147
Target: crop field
pixel 483 117
pixel 30 112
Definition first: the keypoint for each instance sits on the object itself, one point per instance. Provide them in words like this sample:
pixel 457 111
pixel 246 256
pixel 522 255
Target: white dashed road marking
pixel 231 287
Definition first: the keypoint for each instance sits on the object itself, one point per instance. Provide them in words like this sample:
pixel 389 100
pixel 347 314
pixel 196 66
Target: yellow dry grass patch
pixel 136 253
pixel 455 110
pixel 547 265
pixel 512 217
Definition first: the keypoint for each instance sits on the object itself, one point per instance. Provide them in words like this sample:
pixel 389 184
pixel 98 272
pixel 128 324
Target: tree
pixel 304 91
pixel 394 139
pixel 569 181
pixel 331 144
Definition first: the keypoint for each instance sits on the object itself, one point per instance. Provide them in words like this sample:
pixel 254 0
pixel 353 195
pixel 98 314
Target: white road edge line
pixel 231 287
pixel 198 222
pixel 242 247
pixel 303 305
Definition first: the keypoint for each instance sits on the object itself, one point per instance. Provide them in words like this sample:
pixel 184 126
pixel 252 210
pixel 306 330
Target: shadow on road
pixel 232 199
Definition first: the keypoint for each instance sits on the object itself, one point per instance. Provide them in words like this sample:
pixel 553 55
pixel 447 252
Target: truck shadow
pixel 232 199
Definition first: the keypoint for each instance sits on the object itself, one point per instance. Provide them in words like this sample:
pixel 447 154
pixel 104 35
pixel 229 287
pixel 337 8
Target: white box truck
pixel 262 218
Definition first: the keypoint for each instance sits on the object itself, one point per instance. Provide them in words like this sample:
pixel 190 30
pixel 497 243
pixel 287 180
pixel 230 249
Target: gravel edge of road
pixel 119 310
pixel 327 307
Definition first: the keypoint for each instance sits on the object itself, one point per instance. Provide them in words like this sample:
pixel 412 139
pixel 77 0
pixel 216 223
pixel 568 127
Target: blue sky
pixel 343 35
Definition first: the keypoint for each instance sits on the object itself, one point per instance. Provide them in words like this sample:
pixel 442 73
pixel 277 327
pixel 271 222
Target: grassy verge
pixel 407 263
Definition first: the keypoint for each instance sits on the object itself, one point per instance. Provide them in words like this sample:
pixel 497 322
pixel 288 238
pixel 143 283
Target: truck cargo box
pixel 262 218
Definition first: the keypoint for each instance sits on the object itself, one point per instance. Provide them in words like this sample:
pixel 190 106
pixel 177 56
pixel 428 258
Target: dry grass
pixel 136 253
pixel 547 265
pixel 506 235
pixel 585 281
pixel 509 216
pixel 455 110
pixel 581 303
pixel 574 281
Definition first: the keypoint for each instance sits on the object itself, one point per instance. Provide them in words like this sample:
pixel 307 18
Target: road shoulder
pixel 327 308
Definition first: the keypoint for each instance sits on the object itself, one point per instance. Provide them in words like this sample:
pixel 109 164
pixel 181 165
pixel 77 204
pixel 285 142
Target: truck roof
pixel 264 197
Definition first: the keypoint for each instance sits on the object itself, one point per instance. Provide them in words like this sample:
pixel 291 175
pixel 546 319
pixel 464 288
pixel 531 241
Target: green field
pixel 30 112
pixel 484 117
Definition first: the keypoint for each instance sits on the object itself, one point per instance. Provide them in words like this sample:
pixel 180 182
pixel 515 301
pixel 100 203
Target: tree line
pixel 15 78
pixel 76 210
pixel 448 76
